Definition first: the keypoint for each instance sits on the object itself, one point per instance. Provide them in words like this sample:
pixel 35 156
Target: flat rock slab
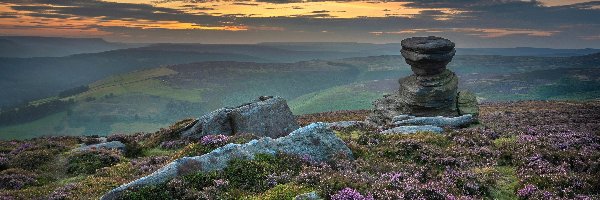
pixel 105 145
pixel 439 121
pixel 266 116
pixel 315 141
pixel 308 196
pixel 413 129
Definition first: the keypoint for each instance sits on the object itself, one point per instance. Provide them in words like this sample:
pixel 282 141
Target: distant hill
pixel 150 98
pixel 31 46
pixel 32 78
pixel 526 51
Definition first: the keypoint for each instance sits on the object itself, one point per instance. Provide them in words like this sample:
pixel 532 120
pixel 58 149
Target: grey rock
pixel 401 117
pixel 269 116
pixel 413 129
pixel 430 91
pixel 266 116
pixel 467 103
pixel 346 124
pixel 213 123
pixel 308 196
pixel 430 44
pixel 440 121
pixel 106 145
pixel 314 141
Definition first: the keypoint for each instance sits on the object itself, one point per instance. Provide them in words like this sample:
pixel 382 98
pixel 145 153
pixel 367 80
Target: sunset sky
pixel 470 23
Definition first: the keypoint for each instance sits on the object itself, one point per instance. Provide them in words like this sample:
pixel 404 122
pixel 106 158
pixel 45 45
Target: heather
pixel 519 150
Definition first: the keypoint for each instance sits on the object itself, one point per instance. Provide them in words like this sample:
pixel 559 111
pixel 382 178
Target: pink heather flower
pixel 526 191
pixel 350 194
pixel 214 139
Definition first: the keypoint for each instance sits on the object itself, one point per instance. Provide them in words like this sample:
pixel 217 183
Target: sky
pixel 469 23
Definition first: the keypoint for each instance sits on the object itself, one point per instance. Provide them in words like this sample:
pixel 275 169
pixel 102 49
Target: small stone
pixel 116 145
pixel 308 196
pixel 413 129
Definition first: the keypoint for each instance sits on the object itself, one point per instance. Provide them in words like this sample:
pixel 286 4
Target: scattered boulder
pixel 315 141
pixel 105 145
pixel 308 196
pixel 413 129
pixel 266 116
pixel 467 104
pixel 440 121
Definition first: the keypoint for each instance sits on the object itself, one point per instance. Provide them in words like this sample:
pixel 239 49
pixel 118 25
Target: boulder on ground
pixel 413 129
pixel 116 145
pixel 440 121
pixel 315 141
pixel 266 116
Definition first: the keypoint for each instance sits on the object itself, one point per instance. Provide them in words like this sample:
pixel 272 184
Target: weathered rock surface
pixel 116 145
pixel 266 116
pixel 315 141
pixel 308 196
pixel 430 91
pixel 346 124
pixel 413 129
pixel 467 104
pixel 461 121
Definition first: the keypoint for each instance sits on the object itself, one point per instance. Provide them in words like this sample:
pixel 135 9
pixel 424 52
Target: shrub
pixel 285 191
pixel 87 162
pixel 16 179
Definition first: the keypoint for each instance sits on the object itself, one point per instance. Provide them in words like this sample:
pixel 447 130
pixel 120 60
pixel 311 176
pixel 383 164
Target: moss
pixel 87 162
pixel 506 184
pixel 506 146
pixel 281 192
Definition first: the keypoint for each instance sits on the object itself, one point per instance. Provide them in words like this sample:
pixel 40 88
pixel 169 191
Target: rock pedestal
pixel 430 91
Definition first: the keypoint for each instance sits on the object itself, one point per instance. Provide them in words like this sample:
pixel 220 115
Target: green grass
pixel 336 98
pixel 133 127
pixel 506 184
pixel 41 127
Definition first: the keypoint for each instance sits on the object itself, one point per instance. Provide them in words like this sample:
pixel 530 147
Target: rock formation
pixel 315 141
pixel 430 91
pixel 266 116
pixel 116 145
pixel 454 122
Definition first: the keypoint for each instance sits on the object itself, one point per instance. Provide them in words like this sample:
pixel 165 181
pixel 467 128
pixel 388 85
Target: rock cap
pixel 430 44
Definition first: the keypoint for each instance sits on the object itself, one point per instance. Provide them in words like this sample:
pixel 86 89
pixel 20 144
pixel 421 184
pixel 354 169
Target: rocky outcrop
pixel 413 129
pixel 467 104
pixel 454 122
pixel 315 141
pixel 116 145
pixel 430 91
pixel 266 116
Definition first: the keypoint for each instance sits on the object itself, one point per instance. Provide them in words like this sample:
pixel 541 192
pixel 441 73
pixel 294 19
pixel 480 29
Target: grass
pixel 131 127
pixel 506 184
pixel 41 127
pixel 337 98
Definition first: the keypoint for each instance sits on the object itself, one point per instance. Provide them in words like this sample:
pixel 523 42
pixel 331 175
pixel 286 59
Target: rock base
pixel 421 96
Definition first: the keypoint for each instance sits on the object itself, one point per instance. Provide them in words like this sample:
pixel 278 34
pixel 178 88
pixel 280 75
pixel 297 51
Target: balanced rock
pixel 315 141
pixel 266 116
pixel 430 91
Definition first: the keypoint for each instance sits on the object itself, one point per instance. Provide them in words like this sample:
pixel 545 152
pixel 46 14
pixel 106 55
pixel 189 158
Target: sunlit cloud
pixel 479 32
